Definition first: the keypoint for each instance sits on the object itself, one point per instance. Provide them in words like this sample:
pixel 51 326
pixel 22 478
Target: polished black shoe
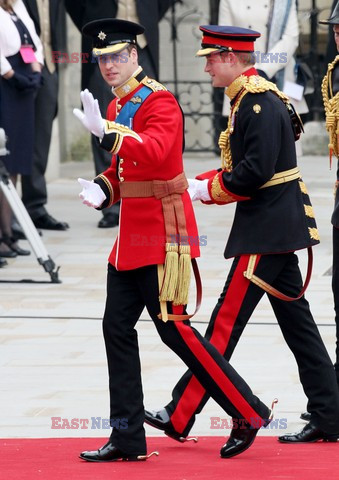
pixel 240 439
pixel 12 244
pixel 110 453
pixel 160 419
pixel 47 222
pixel 17 231
pixel 109 220
pixel 5 251
pixel 309 434
pixel 305 416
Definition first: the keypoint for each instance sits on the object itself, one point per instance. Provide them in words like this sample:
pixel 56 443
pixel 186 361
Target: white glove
pixel 91 116
pixel 198 190
pixel 91 194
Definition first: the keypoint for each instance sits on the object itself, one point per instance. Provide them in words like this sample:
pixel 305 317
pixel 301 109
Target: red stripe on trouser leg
pixel 218 375
pixel 222 331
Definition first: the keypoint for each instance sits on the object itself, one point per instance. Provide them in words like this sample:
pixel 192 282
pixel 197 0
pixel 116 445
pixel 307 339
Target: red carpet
pixel 52 459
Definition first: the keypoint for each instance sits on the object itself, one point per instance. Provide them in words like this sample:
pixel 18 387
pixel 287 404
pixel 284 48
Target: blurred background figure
pixel 21 59
pixel 277 22
pixel 48 21
pixel 146 12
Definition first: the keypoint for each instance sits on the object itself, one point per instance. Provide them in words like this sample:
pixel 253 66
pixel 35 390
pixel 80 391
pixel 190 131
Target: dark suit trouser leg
pixel 316 371
pixel 335 289
pixel 34 189
pixel 126 297
pixel 230 316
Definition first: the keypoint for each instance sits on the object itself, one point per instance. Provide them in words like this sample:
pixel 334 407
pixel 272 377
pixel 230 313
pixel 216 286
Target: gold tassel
pixel 170 282
pixel 184 276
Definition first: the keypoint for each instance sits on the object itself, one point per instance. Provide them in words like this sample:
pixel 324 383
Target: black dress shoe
pixel 305 416
pixel 47 222
pixel 17 231
pixel 109 220
pixel 12 244
pixel 5 251
pixel 160 419
pixel 239 440
pixel 310 433
pixel 110 453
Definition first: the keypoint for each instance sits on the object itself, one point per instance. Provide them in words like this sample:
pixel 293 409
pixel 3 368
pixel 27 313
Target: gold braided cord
pixel 224 139
pixel 252 84
pixel 331 106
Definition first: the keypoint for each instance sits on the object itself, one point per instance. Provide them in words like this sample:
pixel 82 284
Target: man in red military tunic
pixel 150 262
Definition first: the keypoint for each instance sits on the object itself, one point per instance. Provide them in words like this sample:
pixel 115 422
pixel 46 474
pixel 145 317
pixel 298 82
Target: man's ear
pixel 134 54
pixel 232 59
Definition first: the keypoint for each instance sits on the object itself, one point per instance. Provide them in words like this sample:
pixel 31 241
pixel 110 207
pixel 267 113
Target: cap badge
pixel 102 35
pixel 257 108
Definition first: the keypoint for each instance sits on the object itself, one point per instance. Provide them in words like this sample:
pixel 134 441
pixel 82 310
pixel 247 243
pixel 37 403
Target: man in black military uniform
pixel 330 90
pixel 273 218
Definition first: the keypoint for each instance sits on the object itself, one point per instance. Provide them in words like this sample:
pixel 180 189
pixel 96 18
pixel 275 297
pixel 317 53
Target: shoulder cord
pixel 331 106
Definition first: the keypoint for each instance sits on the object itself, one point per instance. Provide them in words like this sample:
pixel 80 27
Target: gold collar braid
pixel 131 84
pixel 243 84
pixel 331 106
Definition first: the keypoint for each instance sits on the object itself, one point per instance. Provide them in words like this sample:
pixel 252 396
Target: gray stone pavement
pixel 52 361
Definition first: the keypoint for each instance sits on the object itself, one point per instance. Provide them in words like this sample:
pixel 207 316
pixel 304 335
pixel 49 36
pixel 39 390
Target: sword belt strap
pixel 283 177
pixel 271 290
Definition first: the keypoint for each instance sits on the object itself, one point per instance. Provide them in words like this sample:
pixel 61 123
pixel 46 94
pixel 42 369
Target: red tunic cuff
pixel 207 175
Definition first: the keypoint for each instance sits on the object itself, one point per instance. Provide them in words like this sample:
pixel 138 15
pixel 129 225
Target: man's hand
pixel 198 190
pixel 91 116
pixel 91 194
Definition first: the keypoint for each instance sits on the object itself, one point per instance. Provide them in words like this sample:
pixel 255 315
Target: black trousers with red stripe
pixel 229 318
pixel 128 292
pixel 335 289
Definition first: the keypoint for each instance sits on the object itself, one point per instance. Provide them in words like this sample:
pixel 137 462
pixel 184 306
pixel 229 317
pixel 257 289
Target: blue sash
pixel 130 108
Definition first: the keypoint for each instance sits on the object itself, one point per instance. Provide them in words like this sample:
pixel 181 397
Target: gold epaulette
pixel 153 84
pixel 257 84
pixel 331 106
pixel 253 84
